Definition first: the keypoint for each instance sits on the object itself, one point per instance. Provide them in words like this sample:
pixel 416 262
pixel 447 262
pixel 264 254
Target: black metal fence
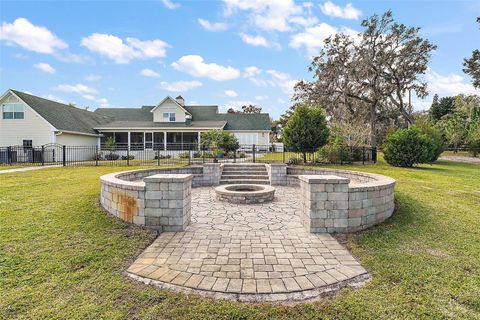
pixel 177 154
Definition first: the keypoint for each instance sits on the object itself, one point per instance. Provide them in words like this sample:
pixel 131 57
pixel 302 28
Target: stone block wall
pixel 334 204
pixel 126 202
pixel 167 201
pixel 324 202
pixel 277 173
pixel 161 202
pixel 212 172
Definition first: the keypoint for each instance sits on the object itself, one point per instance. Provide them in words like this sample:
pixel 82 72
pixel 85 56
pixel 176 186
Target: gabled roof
pixel 63 116
pixel 173 100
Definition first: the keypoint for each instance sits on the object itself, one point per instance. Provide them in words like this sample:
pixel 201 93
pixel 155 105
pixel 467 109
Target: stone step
pixel 242 165
pixel 244 169
pixel 245 176
pixel 244 181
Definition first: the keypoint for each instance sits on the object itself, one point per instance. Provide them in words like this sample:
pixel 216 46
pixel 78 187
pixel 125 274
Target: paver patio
pixel 248 253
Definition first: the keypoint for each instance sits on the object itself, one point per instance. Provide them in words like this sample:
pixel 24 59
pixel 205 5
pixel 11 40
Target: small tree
pixel 454 129
pixel 219 140
pixel 306 130
pixel 407 147
pixel 472 66
pixel 473 138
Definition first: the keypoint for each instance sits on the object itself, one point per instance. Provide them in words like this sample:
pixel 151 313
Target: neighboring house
pixel 33 121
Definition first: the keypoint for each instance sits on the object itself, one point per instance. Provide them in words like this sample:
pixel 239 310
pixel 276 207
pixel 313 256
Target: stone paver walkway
pixel 248 253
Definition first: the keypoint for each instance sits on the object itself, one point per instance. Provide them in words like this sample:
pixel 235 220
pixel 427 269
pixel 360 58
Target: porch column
pixel 165 140
pixel 198 140
pixel 128 134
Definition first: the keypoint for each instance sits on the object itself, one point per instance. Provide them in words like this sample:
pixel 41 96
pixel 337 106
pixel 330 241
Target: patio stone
pixel 233 250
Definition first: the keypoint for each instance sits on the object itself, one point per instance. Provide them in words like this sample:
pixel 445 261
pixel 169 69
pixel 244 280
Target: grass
pixel 7 167
pixel 62 257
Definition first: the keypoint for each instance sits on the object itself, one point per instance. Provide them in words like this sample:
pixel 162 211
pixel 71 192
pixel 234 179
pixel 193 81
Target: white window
pixel 12 111
pixel 169 116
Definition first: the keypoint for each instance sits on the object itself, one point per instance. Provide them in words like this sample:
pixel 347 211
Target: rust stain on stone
pixel 128 207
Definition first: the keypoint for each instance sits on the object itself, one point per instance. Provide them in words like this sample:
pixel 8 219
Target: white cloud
pixel 45 67
pixel 282 80
pixel 122 52
pixel 54 98
pixel 333 10
pixel 171 5
pixel 195 66
pixel 448 85
pixel 313 37
pixel 251 71
pixel 31 37
pixel 76 88
pixel 93 77
pixel 213 26
pixel 230 93
pixel 180 86
pixel 258 41
pixel 84 91
pixel 270 15
pixel 149 73
pixel 280 100
pixel 260 98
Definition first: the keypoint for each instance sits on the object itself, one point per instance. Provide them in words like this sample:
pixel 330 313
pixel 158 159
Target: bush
pixel 112 156
pixel 184 155
pixel 408 147
pixel 162 157
pixel 435 135
pixel 242 155
pixel 197 154
pixel 294 161
pixel 335 152
pixel 97 156
pixel 473 138
pixel 130 157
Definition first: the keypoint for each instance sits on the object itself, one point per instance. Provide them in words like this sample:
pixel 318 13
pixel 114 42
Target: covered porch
pixel 151 140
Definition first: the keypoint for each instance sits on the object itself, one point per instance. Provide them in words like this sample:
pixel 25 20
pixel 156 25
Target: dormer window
pixel 13 111
pixel 169 117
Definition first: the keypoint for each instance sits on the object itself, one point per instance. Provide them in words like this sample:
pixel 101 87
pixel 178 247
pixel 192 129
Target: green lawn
pixel 10 167
pixel 458 153
pixel 62 257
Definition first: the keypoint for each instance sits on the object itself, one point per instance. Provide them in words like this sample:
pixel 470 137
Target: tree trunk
pixel 304 157
pixel 373 136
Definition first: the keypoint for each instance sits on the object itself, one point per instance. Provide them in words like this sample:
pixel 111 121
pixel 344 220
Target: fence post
pixel 363 155
pixel 128 155
pixel 374 154
pixel 9 155
pixel 43 155
pixel 64 147
pixel 96 156
pixel 253 153
pixel 189 157
pixel 235 156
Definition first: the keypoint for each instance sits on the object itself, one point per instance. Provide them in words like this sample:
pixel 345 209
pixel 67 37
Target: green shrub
pixel 335 152
pixel 197 154
pixel 162 157
pixel 473 138
pixel 294 161
pixel 112 156
pixel 242 155
pixel 130 157
pixel 408 147
pixel 97 156
pixel 184 155
pixel 434 133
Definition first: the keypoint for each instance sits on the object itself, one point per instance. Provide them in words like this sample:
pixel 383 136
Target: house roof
pixel 200 115
pixel 151 124
pixel 69 118
pixel 63 116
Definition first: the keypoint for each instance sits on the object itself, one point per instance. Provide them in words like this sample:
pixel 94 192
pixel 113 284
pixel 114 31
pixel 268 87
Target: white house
pixel 28 120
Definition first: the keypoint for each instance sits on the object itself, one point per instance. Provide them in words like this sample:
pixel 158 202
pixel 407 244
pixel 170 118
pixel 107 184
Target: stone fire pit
pixel 245 193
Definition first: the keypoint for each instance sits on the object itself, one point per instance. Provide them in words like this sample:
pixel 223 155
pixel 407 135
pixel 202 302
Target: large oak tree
pixel 371 75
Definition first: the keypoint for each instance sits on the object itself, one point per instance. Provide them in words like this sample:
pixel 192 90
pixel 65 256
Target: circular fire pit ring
pixel 245 193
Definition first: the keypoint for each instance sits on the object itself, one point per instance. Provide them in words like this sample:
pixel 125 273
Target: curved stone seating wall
pixel 368 199
pixel 157 198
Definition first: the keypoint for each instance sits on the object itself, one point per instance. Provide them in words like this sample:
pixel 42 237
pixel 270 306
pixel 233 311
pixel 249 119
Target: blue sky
pixel 232 52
